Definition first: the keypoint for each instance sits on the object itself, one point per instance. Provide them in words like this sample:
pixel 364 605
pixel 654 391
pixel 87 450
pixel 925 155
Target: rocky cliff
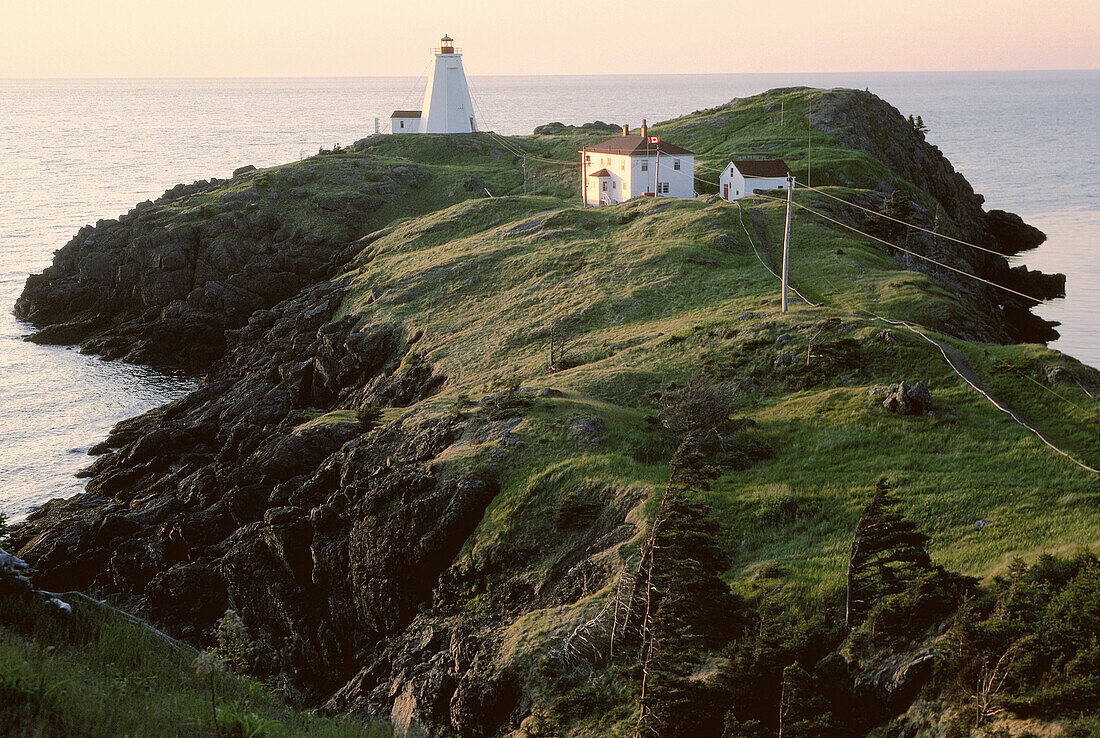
pixel 896 156
pixel 430 453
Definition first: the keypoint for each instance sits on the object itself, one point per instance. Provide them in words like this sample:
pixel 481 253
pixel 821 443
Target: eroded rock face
pixel 336 541
pixel 162 283
pixel 325 535
pixel 861 121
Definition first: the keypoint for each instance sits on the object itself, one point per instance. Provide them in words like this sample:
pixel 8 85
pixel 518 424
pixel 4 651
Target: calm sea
pixel 74 151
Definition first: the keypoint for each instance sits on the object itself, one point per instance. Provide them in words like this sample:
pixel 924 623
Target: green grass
pixel 96 675
pixel 650 293
pixel 647 298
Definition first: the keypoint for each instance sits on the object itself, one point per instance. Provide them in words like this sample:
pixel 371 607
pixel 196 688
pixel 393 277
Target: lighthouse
pixel 447 105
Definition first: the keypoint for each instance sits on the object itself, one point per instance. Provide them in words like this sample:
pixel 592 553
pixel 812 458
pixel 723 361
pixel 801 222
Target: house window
pixel 662 188
pixel 676 164
pixel 612 185
pixel 605 186
pixel 622 164
pixel 587 159
pixel 645 165
pixel 402 124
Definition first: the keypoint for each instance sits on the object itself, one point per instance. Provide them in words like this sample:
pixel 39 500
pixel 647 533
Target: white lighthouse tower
pixel 447 105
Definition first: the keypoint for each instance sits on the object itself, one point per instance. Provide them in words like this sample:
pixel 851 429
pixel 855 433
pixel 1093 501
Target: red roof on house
pixel 635 144
pixel 765 168
pixel 601 173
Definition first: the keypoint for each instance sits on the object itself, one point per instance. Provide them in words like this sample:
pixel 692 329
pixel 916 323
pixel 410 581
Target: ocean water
pixel 75 151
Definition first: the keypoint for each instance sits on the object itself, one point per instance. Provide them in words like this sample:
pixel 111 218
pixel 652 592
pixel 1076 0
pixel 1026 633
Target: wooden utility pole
pixel 787 237
pixel 525 174
pixel 809 129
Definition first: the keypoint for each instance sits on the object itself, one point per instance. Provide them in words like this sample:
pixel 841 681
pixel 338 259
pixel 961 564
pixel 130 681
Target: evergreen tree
pixel 888 553
pixel 899 207
pixel 803 711
pixel 690 613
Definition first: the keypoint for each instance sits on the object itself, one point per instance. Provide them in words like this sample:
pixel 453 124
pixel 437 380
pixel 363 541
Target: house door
pixel 725 192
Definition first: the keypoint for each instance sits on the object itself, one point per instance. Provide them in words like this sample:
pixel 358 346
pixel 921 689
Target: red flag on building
pixel 654 139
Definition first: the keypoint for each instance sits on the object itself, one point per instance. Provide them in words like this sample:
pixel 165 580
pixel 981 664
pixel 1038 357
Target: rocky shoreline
pixel 282 488
pixel 161 284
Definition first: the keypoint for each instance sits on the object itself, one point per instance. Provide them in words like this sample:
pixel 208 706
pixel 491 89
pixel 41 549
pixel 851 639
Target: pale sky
pixel 290 38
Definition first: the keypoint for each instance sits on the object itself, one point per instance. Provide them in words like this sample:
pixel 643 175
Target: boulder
pixel 905 400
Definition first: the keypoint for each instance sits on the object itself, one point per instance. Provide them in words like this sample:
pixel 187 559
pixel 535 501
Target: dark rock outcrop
pixel 161 284
pixel 275 489
pixel 861 121
pixel 557 128
pixel 325 535
pixel 335 540
pixel 905 400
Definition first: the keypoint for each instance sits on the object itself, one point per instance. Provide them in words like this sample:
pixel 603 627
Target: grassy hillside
pixel 94 674
pixel 557 332
pixel 647 298
pixel 649 294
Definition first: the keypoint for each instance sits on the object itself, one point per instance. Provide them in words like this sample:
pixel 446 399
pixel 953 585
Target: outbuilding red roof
pixel 635 144
pixel 766 168
pixel 601 173
pixel 406 114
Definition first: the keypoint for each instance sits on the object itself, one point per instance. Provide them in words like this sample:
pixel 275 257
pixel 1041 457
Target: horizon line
pixel 567 74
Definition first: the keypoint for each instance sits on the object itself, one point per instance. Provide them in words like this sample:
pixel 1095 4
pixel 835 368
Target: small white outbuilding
pixel 742 178
pixel 405 121
pixel 636 165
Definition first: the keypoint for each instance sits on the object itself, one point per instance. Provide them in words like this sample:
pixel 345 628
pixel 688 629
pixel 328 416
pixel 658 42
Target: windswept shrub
pixel 701 408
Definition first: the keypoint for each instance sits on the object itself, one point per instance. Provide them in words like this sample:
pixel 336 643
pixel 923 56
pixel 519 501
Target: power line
pixel 1006 410
pixel 902 222
pixel 907 251
pixel 905 324
pixel 761 259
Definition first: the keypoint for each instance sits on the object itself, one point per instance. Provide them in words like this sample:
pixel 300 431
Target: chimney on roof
pixel 626 129
pixel 645 129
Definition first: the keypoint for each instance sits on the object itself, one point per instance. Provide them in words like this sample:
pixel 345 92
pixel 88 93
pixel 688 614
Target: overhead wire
pixel 763 263
pixel 901 222
pixel 904 250
pixel 420 82
pixel 943 351
pixel 1048 389
pixel 1006 410
pixel 513 148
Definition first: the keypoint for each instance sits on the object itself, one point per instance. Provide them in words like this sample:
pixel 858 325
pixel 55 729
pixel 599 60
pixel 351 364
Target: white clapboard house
pixel 741 178
pixel 636 165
